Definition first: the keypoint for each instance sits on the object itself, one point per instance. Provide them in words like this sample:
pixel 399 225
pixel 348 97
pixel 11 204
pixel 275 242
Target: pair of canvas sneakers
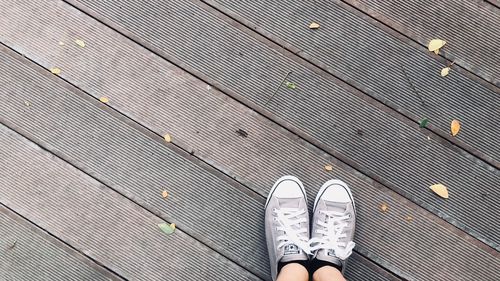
pixel 287 223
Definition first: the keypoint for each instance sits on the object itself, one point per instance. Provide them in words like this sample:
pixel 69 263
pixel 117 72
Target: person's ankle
pixel 293 271
pixel 316 264
pixel 304 263
pixel 328 272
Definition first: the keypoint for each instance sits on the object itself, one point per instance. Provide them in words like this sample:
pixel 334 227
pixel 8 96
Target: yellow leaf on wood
pixel 436 51
pixel 168 138
pixel 104 99
pixel 436 44
pixel 172 225
pixel 409 218
pixel 55 70
pixel 328 168
pixel 384 207
pixel 80 43
pixel 445 71
pixel 440 190
pixel 455 127
pixel 314 25
pixel 164 194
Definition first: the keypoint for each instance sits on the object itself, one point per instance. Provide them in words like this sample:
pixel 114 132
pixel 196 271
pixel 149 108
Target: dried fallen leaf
pixel 384 207
pixel 436 51
pixel 328 168
pixel 423 123
pixel 80 43
pixel 436 44
pixel 440 190
pixel 167 138
pixel 164 194
pixel 55 70
pixel 314 25
pixel 27 103
pixel 445 71
pixel 455 127
pixel 409 218
pixel 291 85
pixel 167 228
pixel 242 133
pixel 104 99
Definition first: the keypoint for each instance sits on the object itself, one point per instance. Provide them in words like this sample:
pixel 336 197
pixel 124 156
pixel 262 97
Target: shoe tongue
pixel 336 206
pixel 328 256
pixel 289 203
pixel 292 252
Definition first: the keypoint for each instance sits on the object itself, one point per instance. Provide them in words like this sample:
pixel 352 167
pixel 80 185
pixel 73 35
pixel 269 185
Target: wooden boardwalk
pixel 81 180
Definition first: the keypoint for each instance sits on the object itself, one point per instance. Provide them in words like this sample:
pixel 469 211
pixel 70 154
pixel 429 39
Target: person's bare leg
pixel 293 272
pixel 328 273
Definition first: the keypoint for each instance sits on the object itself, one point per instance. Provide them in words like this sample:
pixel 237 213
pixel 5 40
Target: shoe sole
pixel 330 183
pixel 280 180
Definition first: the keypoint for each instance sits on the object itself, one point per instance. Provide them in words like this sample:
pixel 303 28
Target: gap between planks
pixel 242 100
pixel 306 60
pixel 49 237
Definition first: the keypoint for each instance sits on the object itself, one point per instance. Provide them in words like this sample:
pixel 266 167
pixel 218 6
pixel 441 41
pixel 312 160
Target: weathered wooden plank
pixel 99 221
pixel 192 113
pixel 357 55
pixel 392 149
pixel 362 269
pixel 378 63
pixel 495 3
pixel 28 253
pixel 135 165
pixel 468 26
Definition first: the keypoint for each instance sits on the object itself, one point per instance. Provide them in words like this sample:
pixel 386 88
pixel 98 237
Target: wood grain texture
pixel 100 222
pixel 403 76
pixel 197 207
pixel 193 114
pixel 28 253
pixel 467 26
pixel 392 150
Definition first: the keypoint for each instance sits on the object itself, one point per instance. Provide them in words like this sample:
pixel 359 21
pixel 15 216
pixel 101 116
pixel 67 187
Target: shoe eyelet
pixel 275 219
pixel 274 209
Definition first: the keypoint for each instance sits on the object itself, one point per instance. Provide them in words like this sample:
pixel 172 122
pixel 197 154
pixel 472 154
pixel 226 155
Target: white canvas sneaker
pixel 334 219
pixel 287 223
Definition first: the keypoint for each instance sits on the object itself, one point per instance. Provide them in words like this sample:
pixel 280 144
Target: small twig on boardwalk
pixel 277 89
pixel 13 245
pixel 412 86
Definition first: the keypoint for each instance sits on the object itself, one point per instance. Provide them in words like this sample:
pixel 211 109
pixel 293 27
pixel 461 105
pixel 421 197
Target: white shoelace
pixel 290 220
pixel 332 232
